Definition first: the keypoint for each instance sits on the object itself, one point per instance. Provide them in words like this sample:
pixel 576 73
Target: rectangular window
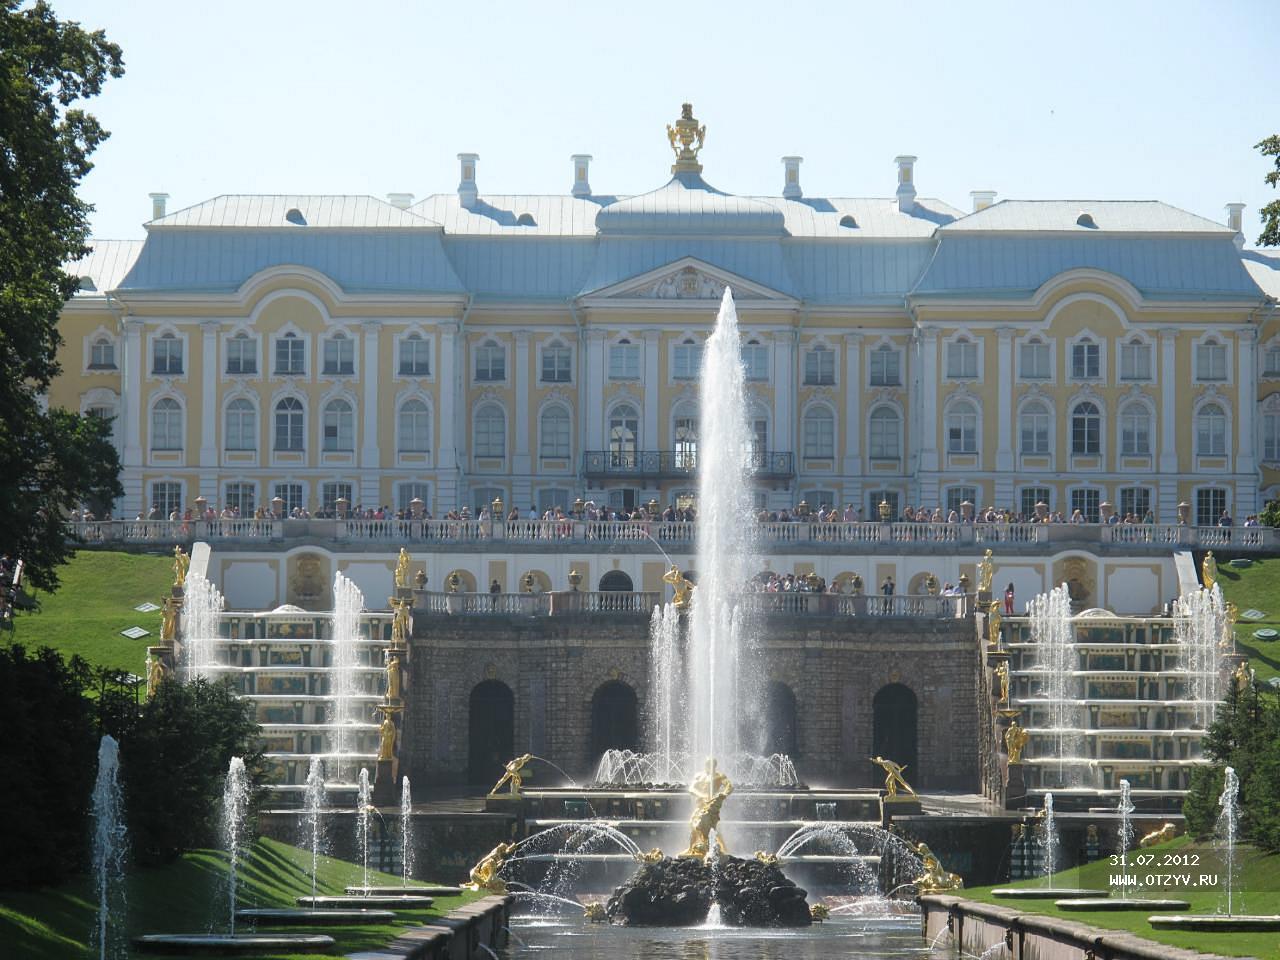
pixel 331 493
pixel 958 495
pixel 875 498
pixel 962 432
pixel 406 492
pixel 239 497
pixel 886 367
pixel 483 498
pixel 820 367
pixel 1087 501
pixel 290 356
pixel 1086 361
pixel 624 361
pixel 962 360
pixel 557 364
pixel 688 361
pixel 491 363
pixel 755 361
pixel 1030 496
pixel 1033 426
pixel 415 356
pixel 166 359
pixel 291 494
pixel 819 436
pixel 1271 362
pixel 555 437
pixel 166 499
pixel 102 355
pixel 625 499
pixel 1211 362
pixel 1135 432
pixel 339 356
pixel 1211 504
pixel 242 355
pixel 1135 361
pixel 1033 361
pixel 1135 502
pixel 1271 437
pixel 817 499
pixel 548 498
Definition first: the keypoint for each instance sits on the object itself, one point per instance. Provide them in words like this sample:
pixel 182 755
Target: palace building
pixel 306 350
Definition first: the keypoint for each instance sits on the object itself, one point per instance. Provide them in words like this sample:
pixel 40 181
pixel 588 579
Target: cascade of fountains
pixel 364 804
pixel 1226 833
pixel 1201 625
pixel 235 812
pixel 1049 839
pixel 201 609
pixel 406 830
pixel 1124 839
pixel 664 660
pixel 110 845
pixel 717 633
pixel 1050 615
pixel 348 602
pixel 313 819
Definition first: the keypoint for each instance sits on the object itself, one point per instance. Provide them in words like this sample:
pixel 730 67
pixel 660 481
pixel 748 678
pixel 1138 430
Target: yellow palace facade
pixel 307 351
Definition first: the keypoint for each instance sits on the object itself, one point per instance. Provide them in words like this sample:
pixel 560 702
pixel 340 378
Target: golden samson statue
pixel 934 879
pixel 484 875
pixel 710 789
pixel 514 775
pixel 681 587
pixel 893 777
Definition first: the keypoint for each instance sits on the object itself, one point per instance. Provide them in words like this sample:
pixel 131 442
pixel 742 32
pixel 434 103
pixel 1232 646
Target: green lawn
pixel 189 896
pixel 1256 587
pixel 94 603
pixel 1259 883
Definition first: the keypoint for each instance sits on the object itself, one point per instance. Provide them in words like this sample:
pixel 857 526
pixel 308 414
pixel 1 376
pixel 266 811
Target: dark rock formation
pixel 679 891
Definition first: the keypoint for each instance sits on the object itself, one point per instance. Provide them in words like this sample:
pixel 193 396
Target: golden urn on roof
pixel 686 139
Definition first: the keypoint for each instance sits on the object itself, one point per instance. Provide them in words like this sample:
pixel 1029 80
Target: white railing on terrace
pixel 678 535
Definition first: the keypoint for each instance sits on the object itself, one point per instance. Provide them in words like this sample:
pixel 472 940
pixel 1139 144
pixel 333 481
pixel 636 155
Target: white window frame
pixel 878 356
pixel 1047 412
pixel 253 418
pixel 239 339
pixel 686 359
pixel 420 444
pixel 332 435
pixel 407 490
pixel 973 446
pixel 1269 422
pixel 1127 411
pixel 91 342
pixel 821 352
pixel 897 436
pixel 291 336
pixel 555 350
pixel 558 446
pixel 488 450
pixel 818 432
pixel 1199 423
pixel 1086 488
pixel 755 361
pixel 168 335
pixel 622 369
pixel 1047 344
pixel 1072 407
pixel 1035 495
pixel 1201 347
pixel 1084 342
pixel 180 411
pixel 1126 345
pixel 1271 360
pixel 301 432
pixel 414 336
pixel 967 351
pixel 489 350
pixel 343 345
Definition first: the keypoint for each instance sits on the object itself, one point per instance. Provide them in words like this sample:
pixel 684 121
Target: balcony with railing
pixel 676 464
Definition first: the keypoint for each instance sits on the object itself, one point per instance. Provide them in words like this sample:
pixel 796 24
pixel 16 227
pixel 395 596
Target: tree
pixel 1270 214
pixel 50 461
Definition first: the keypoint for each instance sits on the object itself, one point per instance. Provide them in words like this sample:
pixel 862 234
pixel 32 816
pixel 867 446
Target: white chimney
pixel 400 200
pixel 467 192
pixel 791 182
pixel 982 199
pixel 906 183
pixel 158 201
pixel 1235 220
pixel 581 171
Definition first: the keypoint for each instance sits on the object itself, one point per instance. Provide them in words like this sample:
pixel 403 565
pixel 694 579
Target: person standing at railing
pixel 1008 600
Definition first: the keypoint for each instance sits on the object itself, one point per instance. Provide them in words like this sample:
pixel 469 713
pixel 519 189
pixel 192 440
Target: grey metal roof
pixel 1265 270
pixel 247 211
pixel 506 268
pixel 555 216
pixel 869 272
pixel 105 266
pixel 1109 216
pixel 620 258
pixel 872 218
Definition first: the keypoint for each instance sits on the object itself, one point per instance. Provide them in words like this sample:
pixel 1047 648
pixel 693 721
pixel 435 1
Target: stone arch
pixel 616 580
pixel 541 581
pixel 895 713
pixel 614 718
pixel 1080 575
pixel 467 578
pixel 490 731
pixel 916 586
pixel 780 728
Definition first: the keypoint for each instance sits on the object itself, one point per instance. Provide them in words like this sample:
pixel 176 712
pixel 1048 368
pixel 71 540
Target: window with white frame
pixel 624 427
pixel 291 356
pixel 548 498
pixel 242 355
pixel 406 493
pixel 1211 431
pixel 1271 436
pixel 962 359
pixel 1135 430
pixel 877 497
pixel 962 427
pixel 166 497
pixel 884 441
pixel 102 354
pixel 959 495
pixel 166 424
pixel 553 432
pixel 758 438
pixel 1211 504
pixel 755 360
pixel 1135 502
pixel 413 434
pixel 686 437
pixel 1211 361
pixel 624 360
pixel 331 493
pixel 1086 428
pixel 885 367
pixel 1271 361
pixel 1135 360
pixel 1033 360
pixel 1086 360
pixel 557 363
pixel 339 356
pixel 339 426
pixel 688 360
pixel 1033 428
pixel 490 432
pixel 166 355
pixel 239 496
pixel 1088 501
pixel 819 366
pixel 483 497
pixel 290 494
pixel 1028 497
pixel 818 499
pixel 415 356
pixel 241 432
pixel 819 434
pixel 491 362
pixel 289 425
pixel 624 498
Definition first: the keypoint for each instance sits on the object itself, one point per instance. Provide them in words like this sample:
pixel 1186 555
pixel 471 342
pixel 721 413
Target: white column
pixel 927 421
pixel 785 395
pixel 1168 488
pixel 595 391
pixel 209 411
pixel 370 463
pixel 651 388
pixel 521 463
pixel 448 369
pixel 1247 407
pixel 852 406
pixel 131 389
pixel 1004 445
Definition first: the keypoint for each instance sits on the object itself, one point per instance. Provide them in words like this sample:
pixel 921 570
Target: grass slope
pixel 1256 587
pixel 94 603
pixel 190 896
pixel 1259 882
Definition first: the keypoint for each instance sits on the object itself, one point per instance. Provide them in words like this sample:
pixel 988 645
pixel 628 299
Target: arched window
pixel 1086 428
pixel 289 425
pixel 557 363
pixel 414 427
pixel 1211 361
pixel 755 360
pixel 339 426
pixel 894 714
pixel 490 432
pixel 1211 431
pixel 1033 360
pixel 885 441
pixel 166 425
pixel 687 359
pixel 962 428
pixel 624 426
pixel 102 354
pixel 1135 359
pixel 554 433
pixel 242 426
pixel 1135 430
pixel 242 354
pixel 339 355
pixel 819 434
pixel 820 366
pixel 1033 428
pixel 614 718
pixel 166 355
pixel 962 359
pixel 490 730
pixel 1086 360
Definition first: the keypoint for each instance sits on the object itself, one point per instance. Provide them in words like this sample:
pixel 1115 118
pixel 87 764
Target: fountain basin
pixel 313 918
pixel 1217 923
pixel 213 944
pixel 1048 893
pixel 385 902
pixel 364 892
pixel 1121 903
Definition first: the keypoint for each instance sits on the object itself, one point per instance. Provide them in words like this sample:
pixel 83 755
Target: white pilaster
pixel 131 388
pixel 1247 405
pixel 927 421
pixel 208 400
pixel 595 390
pixel 784 394
pixel 369 454
pixel 448 371
pixel 1004 358
pixel 520 413
pixel 1168 485
pixel 852 406
pixel 651 389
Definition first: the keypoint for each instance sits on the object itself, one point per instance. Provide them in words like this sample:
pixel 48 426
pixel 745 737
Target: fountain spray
pixel 110 844
pixel 1125 809
pixel 313 823
pixel 364 802
pixel 235 813
pixel 1049 839
pixel 348 601
pixel 1228 827
pixel 406 830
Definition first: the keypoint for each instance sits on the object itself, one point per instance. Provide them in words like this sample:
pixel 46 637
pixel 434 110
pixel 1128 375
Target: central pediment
pixel 687 279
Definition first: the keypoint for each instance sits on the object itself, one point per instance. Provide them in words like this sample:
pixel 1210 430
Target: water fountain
pixel 1049 843
pixel 313 819
pixel 1124 835
pixel 1050 615
pixel 110 849
pixel 235 813
pixel 664 659
pixel 406 830
pixel 202 606
pixel 364 807
pixel 348 602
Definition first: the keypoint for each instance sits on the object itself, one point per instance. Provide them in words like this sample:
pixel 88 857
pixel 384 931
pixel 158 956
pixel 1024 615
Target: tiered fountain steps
pixel 214 944
pixel 375 901
pixel 313 918
pixel 577 803
pixel 1048 893
pixel 1120 904
pixel 410 891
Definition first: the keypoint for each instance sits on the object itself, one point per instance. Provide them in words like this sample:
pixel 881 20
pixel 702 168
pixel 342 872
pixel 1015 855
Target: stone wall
pixel 834 666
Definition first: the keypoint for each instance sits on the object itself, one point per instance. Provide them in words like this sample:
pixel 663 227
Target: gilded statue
pixel 514 775
pixel 683 136
pixel 1015 741
pixel 393 677
pixel 1208 570
pixel 155 675
pixel 893 777
pixel 1242 676
pixel 934 879
pixel 986 570
pixel 993 625
pixel 169 608
pixel 768 859
pixel 181 564
pixel 387 737
pixel 683 588
pixel 651 856
pixel 401 625
pixel 703 822
pixel 1167 832
pixel 1002 675
pixel 709 781
pixel 484 875
pixel 402 569
pixel 819 912
pixel 595 912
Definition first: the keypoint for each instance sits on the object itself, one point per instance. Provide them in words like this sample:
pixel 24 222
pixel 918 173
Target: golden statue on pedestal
pixel 1015 740
pixel 402 569
pixel 393 677
pixel 1002 675
pixel 387 735
pixel 683 137
pixel 514 775
pixel 595 912
pixel 155 675
pixel 710 789
pixel 1208 570
pixel 169 608
pixel 484 875
pixel 986 570
pixel 934 879
pixel 1242 676
pixel 683 588
pixel 893 778
pixel 401 625
pixel 993 625
pixel 181 564
pixel 652 856
pixel 768 859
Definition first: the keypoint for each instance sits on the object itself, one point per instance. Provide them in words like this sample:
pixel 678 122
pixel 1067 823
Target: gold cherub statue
pixel 513 775
pixel 181 564
pixel 1002 675
pixel 934 879
pixel 387 737
pixel 1208 570
pixel 402 569
pixel 893 777
pixel 1015 740
pixel 484 875
pixel 683 588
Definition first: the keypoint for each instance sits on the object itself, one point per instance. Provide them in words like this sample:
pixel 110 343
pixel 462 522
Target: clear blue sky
pixel 1081 100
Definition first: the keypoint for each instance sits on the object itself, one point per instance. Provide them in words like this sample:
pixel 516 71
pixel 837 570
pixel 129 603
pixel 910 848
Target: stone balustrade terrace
pixel 642 536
